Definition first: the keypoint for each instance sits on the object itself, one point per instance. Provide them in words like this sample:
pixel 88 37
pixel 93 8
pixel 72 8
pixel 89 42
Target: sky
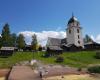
pixel 48 18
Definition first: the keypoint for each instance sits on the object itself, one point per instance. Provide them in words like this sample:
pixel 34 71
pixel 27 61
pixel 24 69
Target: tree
pixel 59 59
pixel 40 48
pixel 94 69
pixel 0 41
pixel 13 39
pixel 20 41
pixel 34 42
pixel 6 38
pixel 87 39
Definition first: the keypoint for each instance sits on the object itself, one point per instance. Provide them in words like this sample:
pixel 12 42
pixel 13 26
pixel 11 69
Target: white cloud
pixel 42 36
pixel 92 37
pixel 96 39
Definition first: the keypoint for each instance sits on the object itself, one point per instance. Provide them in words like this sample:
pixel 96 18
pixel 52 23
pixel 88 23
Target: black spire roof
pixel 73 19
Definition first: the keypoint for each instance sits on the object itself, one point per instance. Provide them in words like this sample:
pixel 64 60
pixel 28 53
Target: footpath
pixel 23 73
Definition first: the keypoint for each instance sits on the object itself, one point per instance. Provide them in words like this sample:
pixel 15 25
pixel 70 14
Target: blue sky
pixel 49 15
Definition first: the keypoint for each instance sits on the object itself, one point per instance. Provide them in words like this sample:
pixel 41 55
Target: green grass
pixel 81 59
pixel 74 59
pixel 16 57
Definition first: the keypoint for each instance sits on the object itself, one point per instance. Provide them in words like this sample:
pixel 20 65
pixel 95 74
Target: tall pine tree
pixel 87 39
pixel 14 39
pixel 0 41
pixel 6 38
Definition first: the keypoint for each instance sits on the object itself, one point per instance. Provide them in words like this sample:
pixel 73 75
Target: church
pixel 73 40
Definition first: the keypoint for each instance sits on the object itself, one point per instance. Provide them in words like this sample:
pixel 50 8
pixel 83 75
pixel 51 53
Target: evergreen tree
pixel 20 41
pixel 0 42
pixel 6 38
pixel 87 39
pixel 34 42
pixel 13 39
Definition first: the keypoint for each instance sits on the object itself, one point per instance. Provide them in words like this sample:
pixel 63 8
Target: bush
pixel 40 48
pixel 59 59
pixel 94 69
pixel 97 55
pixel 46 55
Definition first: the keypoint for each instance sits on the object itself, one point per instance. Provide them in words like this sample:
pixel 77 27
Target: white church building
pixel 73 37
pixel 73 41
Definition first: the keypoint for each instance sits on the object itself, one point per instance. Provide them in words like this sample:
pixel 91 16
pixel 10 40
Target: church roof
pixel 70 45
pixel 91 42
pixel 55 48
pixel 73 19
pixel 64 41
pixel 53 42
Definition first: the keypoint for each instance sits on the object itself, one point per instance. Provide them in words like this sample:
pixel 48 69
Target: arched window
pixel 78 37
pixel 69 31
pixel 77 30
pixel 77 24
pixel 79 42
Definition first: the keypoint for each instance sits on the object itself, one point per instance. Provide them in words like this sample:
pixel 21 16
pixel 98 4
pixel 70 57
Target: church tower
pixel 74 32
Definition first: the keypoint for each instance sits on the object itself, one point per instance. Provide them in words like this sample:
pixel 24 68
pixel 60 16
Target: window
pixel 77 30
pixel 79 42
pixel 78 37
pixel 69 31
pixel 77 24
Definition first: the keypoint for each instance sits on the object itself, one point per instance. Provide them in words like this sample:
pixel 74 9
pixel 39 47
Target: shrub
pixel 97 55
pixel 46 55
pixel 59 59
pixel 40 48
pixel 94 69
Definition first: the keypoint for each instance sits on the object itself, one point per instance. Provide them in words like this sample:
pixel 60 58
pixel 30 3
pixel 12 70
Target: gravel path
pixel 23 73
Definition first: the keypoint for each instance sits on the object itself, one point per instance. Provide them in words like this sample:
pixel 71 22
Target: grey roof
pixel 92 42
pixel 7 48
pixel 70 45
pixel 64 41
pixel 53 42
pixel 55 48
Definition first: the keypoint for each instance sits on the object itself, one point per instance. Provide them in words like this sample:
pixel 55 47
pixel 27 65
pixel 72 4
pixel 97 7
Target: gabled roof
pixel 53 42
pixel 64 41
pixel 91 42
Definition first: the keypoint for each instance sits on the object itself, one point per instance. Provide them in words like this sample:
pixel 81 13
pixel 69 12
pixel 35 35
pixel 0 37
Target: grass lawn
pixel 74 59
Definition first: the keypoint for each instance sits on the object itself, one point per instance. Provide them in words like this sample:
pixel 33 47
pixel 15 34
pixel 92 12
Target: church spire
pixel 72 14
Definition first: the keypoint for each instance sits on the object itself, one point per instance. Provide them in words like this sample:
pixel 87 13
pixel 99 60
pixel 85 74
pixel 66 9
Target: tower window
pixel 77 30
pixel 78 37
pixel 79 42
pixel 77 24
pixel 69 31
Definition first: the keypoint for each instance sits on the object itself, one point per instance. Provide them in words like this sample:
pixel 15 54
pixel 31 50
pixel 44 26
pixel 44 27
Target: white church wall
pixel 70 36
